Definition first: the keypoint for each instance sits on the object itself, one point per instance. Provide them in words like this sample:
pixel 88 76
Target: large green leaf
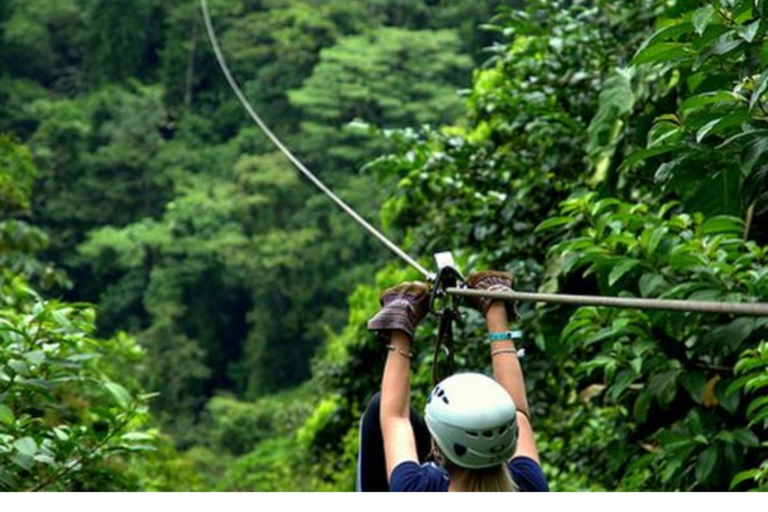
pixel 6 415
pixel 760 87
pixel 743 476
pixel 746 438
pixel 26 446
pixel 756 404
pixel 650 284
pixel 725 45
pixel 720 124
pixel 729 402
pixel 694 383
pixel 620 269
pixel 702 17
pixel 644 154
pixel 622 382
pixel 723 224
pixel 119 393
pixel 671 32
pixel 753 153
pixel 708 98
pixel 661 52
pixel 552 223
pixel 748 32
pixel 705 464
pixel 662 386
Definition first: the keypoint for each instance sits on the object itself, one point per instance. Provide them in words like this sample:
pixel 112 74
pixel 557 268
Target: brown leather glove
pixel 494 281
pixel 403 306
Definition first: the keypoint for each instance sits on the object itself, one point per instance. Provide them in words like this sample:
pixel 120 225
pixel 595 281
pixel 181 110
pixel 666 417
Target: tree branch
pixel 83 458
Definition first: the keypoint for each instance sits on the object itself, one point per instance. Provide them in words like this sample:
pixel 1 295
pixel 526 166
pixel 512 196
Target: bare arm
pixel 394 414
pixel 508 372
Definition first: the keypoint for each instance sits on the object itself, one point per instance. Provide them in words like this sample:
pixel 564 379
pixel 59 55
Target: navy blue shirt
pixel 412 477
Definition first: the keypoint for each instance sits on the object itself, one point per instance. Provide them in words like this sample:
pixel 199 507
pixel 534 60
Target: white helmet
pixel 473 420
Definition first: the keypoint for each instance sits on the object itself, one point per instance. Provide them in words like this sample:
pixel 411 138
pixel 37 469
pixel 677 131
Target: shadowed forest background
pixel 180 310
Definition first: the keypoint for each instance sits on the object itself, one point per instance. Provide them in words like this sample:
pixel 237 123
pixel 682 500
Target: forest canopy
pixel 181 310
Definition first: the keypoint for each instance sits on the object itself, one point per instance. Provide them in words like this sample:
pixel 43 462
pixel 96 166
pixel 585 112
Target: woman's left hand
pixel 402 308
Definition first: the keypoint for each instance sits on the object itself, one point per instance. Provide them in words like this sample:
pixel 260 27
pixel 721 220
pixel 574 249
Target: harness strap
pixel 445 342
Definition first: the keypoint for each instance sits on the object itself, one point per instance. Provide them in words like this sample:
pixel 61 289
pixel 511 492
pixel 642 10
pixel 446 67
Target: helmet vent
pixel 488 434
pixel 503 429
pixel 459 449
pixel 440 393
pixel 472 434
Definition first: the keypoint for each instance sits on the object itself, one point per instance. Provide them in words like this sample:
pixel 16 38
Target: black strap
pixel 444 341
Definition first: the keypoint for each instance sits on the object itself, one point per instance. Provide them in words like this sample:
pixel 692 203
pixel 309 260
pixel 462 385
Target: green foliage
pixel 238 427
pixel 523 147
pixel 165 469
pixel 606 148
pixel 65 412
pixel 17 175
pixel 391 76
pixel 622 399
pixel 121 37
pixel 19 241
pixel 42 40
pixel 671 370
pixel 753 370
pixel 106 141
pixel 716 56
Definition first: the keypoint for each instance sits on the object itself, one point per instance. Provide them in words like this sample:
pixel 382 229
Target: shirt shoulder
pixel 411 477
pixel 528 475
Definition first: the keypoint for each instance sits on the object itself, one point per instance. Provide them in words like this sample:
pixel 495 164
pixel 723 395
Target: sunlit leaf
pixel 119 393
pixel 702 18
pixel 6 415
pixel 709 98
pixel 661 52
pixel 760 87
pixel 619 270
pixel 26 446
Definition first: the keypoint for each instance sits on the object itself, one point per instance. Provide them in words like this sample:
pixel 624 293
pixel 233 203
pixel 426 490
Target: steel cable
pixel 513 296
pixel 290 156
pixel 737 308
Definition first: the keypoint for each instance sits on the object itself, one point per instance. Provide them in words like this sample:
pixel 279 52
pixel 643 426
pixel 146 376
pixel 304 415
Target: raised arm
pixel 506 366
pixel 394 413
pixel 402 308
pixel 508 372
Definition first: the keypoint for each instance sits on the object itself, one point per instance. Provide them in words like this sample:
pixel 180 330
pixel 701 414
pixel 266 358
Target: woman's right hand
pixel 494 281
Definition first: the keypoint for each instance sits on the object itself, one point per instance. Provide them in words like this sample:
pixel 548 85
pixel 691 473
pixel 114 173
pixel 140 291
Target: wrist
pixel 497 325
pixel 401 339
pixel 496 315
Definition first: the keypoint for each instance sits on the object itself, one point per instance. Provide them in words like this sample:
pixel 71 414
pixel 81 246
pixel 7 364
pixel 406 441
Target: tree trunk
pixel 191 66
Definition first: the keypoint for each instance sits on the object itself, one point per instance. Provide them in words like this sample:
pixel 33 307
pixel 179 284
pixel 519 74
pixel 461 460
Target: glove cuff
pixel 397 315
pixel 492 281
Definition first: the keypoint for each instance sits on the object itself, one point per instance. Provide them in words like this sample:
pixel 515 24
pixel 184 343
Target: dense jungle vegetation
pixel 180 310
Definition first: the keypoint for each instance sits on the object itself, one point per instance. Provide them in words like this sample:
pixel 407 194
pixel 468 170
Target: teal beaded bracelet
pixel 506 335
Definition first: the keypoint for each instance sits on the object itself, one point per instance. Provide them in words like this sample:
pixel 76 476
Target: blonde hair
pixel 492 479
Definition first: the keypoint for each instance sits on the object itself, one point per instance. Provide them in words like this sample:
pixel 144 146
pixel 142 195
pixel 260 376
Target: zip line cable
pixel 295 161
pixel 737 308
pixel 752 308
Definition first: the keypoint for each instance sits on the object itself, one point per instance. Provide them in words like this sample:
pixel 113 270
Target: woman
pixel 478 429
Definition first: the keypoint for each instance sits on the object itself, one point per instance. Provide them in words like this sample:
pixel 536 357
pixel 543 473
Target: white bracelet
pixel 517 353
